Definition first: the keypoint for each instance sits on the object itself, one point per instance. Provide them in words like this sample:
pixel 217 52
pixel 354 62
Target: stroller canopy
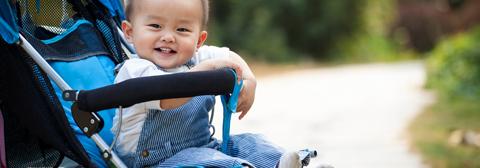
pixel 9 29
pixel 115 8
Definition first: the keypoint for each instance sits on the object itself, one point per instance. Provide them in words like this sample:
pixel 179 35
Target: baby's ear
pixel 127 30
pixel 202 38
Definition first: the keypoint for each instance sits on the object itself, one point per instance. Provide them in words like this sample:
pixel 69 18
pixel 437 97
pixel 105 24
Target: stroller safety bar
pixel 132 91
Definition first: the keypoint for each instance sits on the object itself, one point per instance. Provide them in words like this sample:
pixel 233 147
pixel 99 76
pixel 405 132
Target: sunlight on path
pixel 355 116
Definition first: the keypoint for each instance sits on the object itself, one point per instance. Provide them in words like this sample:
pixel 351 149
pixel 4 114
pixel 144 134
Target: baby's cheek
pixel 191 46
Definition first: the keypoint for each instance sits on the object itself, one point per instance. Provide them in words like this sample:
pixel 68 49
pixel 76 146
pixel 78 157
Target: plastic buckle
pixel 89 122
pixel 70 95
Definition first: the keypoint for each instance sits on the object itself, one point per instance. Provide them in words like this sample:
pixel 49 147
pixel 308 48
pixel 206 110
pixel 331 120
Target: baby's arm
pixel 213 59
pixel 206 65
pixel 247 94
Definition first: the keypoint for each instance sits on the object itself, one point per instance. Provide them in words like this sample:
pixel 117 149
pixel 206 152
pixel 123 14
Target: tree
pixel 273 30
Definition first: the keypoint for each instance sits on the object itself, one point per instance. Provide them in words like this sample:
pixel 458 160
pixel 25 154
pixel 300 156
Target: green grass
pixel 430 132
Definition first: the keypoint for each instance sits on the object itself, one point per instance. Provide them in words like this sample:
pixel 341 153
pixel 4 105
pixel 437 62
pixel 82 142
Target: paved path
pixel 355 116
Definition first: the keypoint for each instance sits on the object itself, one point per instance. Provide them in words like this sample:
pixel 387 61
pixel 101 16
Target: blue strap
pixel 8 26
pixel 229 103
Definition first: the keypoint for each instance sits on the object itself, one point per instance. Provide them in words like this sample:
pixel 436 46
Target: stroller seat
pixel 83 53
pixel 44 58
pixel 85 74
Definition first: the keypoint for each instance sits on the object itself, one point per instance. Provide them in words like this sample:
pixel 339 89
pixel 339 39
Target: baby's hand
pixel 247 94
pixel 218 63
pixel 246 97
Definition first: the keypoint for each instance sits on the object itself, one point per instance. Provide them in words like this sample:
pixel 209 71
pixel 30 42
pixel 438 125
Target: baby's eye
pixel 183 30
pixel 156 26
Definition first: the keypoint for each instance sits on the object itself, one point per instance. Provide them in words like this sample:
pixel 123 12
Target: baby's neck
pixel 181 68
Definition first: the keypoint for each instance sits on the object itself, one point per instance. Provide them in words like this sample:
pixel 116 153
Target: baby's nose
pixel 167 37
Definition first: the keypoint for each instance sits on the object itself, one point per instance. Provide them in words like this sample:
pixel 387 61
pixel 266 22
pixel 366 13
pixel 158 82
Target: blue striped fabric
pixel 246 150
pixel 180 137
pixel 166 132
pixel 255 149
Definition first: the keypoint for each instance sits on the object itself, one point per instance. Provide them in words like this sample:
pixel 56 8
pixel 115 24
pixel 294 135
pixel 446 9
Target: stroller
pixel 68 50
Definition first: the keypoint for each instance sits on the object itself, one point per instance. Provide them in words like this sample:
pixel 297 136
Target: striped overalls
pixel 181 137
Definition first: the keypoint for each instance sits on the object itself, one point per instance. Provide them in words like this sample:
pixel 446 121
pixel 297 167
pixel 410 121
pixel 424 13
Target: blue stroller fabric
pixel 89 72
pixel 115 8
pixel 8 27
pixel 98 76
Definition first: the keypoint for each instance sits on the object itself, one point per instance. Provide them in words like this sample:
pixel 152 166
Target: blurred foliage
pixel 373 39
pixel 285 30
pixel 454 66
pixel 453 71
pixel 431 130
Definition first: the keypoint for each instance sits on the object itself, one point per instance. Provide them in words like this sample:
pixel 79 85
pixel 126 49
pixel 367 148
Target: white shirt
pixel 134 116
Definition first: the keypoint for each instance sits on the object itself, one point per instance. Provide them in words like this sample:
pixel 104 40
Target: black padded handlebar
pixel 132 91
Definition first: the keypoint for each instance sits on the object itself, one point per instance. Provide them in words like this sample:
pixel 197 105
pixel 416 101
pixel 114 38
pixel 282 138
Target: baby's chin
pixel 166 64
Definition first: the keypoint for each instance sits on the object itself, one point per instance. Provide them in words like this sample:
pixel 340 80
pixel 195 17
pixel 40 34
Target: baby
pixel 168 37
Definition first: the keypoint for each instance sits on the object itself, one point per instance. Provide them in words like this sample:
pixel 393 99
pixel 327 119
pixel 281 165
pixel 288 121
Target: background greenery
pixel 453 69
pixel 454 66
pixel 431 130
pixel 286 30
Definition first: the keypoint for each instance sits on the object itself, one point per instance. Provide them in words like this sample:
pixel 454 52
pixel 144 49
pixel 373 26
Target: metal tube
pixel 104 147
pixel 125 43
pixel 43 64
pixel 64 86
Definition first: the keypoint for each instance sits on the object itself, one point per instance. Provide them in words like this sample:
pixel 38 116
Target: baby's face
pixel 166 32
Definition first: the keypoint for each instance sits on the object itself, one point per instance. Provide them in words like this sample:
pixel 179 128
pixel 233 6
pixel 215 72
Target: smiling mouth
pixel 165 50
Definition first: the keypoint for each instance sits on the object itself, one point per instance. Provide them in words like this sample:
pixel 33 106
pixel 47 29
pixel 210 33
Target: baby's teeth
pixel 165 49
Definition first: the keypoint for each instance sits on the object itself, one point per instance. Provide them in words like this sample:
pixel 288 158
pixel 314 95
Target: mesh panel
pixel 24 115
pixel 43 20
pixel 53 15
pixel 46 19
pixel 110 39
pixel 25 152
pixel 108 30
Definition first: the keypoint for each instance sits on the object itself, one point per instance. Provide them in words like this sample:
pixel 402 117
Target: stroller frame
pixel 35 55
pixel 91 123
